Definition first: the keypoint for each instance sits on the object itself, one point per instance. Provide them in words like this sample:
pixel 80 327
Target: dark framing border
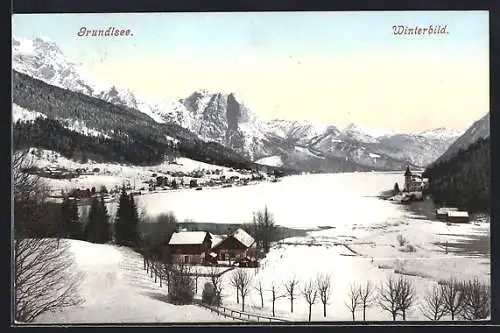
pixel 67 6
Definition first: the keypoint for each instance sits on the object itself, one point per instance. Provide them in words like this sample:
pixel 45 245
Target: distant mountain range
pixel 222 119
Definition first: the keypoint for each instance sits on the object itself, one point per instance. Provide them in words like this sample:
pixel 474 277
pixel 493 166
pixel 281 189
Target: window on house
pixel 186 259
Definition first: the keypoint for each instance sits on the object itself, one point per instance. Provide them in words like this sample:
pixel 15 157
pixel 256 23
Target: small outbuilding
pixel 458 217
pixel 442 213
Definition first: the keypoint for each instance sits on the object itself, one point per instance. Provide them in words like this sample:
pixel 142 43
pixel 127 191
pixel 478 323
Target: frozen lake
pixel 298 201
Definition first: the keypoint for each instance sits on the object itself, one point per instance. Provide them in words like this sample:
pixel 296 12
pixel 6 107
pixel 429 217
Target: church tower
pixel 407 178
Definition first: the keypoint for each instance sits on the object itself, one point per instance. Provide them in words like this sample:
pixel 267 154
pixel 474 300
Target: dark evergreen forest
pixel 464 180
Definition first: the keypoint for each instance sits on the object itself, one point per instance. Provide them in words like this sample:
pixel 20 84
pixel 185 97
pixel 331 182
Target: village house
pixel 190 247
pixel 414 181
pixel 235 246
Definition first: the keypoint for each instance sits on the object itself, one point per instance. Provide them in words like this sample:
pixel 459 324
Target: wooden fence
pixel 239 315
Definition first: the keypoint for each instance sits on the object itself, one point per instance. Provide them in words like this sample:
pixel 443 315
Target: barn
pixel 235 246
pixel 190 247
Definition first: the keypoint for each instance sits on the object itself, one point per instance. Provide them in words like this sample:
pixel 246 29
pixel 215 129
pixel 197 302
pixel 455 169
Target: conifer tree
pixel 70 223
pixel 127 221
pixel 98 229
pixel 122 217
pixel 133 230
pixel 106 233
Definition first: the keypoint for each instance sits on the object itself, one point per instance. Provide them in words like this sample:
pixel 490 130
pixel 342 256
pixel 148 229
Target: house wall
pixel 187 249
pixel 458 219
pixel 193 259
pixel 223 254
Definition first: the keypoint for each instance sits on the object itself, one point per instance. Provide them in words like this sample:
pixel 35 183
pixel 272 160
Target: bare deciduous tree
pixel 433 307
pixel 406 295
pixel 44 274
pixel 477 300
pixel 216 279
pixel 291 289
pixel 233 281
pixel 260 289
pixel 310 294
pixel 30 194
pixel 275 293
pixel 244 280
pixel 389 296
pixel 367 296
pixel 354 300
pixel 44 277
pixel 324 284
pixel 196 276
pixel 453 296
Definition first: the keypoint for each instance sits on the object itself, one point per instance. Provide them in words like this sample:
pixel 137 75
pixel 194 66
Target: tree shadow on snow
pixel 157 296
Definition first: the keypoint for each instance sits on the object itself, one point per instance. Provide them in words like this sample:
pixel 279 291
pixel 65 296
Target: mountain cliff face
pixel 219 118
pixel 223 119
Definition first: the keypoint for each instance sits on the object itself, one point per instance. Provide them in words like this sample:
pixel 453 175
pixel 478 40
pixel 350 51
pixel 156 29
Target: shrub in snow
pixel 181 288
pixel 401 240
pixel 209 296
pixel 408 248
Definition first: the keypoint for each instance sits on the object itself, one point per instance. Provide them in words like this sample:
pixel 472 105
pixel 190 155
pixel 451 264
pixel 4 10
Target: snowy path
pixel 117 289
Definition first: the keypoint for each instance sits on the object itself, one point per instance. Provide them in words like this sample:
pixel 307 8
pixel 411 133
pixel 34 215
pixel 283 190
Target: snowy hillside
pixel 479 130
pixel 20 114
pixel 114 175
pixel 116 289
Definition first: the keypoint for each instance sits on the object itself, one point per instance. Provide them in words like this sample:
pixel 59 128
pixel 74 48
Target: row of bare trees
pixel 467 300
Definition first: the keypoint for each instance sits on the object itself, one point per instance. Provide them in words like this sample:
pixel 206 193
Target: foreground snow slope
pixel 116 289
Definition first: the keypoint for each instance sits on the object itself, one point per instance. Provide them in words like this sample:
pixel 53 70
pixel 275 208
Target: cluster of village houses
pixel 415 185
pixel 204 248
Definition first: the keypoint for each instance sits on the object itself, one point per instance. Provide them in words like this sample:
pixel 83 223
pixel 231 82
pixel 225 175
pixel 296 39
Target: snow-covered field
pixel 360 245
pixel 116 289
pixel 378 257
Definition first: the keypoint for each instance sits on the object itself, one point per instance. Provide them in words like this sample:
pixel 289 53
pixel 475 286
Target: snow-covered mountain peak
pixel 441 133
pixel 368 131
pixel 42 59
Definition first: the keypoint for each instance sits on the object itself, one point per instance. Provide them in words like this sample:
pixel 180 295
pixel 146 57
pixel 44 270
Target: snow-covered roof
pixel 457 214
pixel 445 210
pixel 242 236
pixel 216 239
pixel 187 237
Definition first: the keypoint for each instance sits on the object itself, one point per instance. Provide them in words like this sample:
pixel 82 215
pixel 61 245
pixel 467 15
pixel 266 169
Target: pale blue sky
pixel 280 32
pixel 165 45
